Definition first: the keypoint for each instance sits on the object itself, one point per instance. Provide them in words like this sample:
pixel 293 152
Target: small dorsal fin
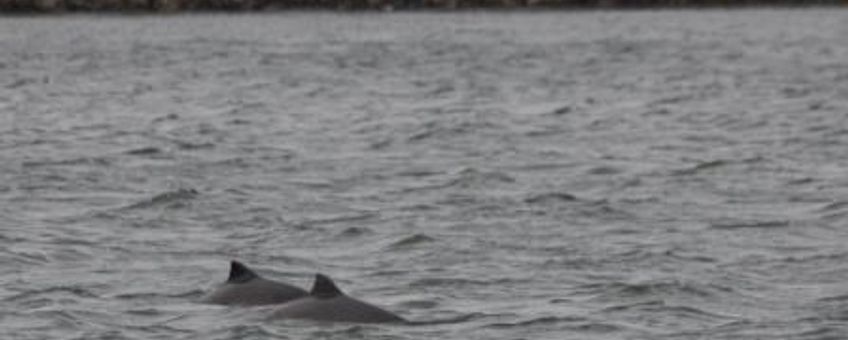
pixel 239 273
pixel 324 287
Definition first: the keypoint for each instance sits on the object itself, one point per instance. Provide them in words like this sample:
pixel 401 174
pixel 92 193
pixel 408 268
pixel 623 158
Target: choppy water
pixel 587 175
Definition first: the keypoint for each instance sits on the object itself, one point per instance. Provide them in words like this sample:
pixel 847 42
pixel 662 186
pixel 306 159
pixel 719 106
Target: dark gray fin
pixel 324 287
pixel 239 273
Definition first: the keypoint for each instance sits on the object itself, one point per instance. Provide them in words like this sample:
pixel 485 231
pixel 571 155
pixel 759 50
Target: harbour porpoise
pixel 246 288
pixel 327 303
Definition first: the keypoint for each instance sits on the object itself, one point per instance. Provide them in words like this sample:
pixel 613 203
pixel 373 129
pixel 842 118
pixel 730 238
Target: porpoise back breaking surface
pixel 246 288
pixel 327 303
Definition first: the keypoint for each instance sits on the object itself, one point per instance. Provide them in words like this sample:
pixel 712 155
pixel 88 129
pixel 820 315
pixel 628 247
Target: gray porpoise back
pixel 327 303
pixel 246 288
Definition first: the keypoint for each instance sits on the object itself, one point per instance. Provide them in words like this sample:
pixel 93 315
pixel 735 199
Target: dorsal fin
pixel 324 287
pixel 239 273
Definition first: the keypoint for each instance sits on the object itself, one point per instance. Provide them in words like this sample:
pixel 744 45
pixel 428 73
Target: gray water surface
pixel 568 175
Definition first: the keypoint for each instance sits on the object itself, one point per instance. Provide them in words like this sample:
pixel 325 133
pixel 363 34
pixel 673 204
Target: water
pixel 568 175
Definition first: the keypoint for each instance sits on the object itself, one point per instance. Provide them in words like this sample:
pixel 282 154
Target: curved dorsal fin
pixel 239 273
pixel 324 287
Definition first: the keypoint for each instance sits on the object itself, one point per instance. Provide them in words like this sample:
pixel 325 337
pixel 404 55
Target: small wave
pixel 419 207
pixel 420 304
pixel 411 241
pixel 451 282
pixel 64 318
pixel 86 161
pixel 750 225
pixel 550 198
pixel 598 327
pixel 833 308
pixel 26 257
pixel 75 292
pixel 662 306
pixel 439 131
pixel 145 151
pixel 603 208
pixel 604 170
pixel 168 117
pixel 166 198
pixel 834 206
pixel 837 298
pixel 418 173
pixel 656 289
pixel 702 166
pixel 824 332
pixel 25 81
pixel 561 111
pixel 144 312
pixel 801 181
pixel 178 195
pixel 449 321
pixel 183 145
pixel 337 219
pixel 469 178
pixel 355 232
pixel 682 255
pixel 575 323
pixel 250 332
pixel 545 320
pixel 189 295
pixel 716 164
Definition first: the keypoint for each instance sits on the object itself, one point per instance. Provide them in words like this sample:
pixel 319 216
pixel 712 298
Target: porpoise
pixel 327 303
pixel 246 288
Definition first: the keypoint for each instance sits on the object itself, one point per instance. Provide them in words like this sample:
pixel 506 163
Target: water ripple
pixel 615 175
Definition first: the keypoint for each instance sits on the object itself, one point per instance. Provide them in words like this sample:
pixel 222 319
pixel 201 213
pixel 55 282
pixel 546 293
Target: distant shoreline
pixel 154 6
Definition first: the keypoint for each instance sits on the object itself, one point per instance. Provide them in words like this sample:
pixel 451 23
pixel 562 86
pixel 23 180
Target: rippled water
pixel 584 175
